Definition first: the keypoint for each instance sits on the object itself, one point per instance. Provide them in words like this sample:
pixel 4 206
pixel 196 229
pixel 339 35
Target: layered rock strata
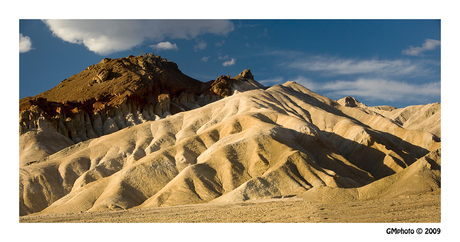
pixel 119 93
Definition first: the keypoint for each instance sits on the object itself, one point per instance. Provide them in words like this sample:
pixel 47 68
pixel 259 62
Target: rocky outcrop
pixel 349 101
pixel 119 93
pixel 101 76
pixel 246 74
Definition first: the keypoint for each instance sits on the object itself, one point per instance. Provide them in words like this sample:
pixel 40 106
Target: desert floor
pixel 424 208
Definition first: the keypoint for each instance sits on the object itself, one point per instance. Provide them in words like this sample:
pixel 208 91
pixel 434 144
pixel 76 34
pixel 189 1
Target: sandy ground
pixel 414 208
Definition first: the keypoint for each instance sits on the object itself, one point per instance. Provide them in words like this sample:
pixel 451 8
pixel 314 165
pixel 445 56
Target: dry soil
pixel 422 208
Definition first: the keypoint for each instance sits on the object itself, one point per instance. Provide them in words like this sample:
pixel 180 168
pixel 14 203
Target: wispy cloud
pixel 308 83
pixel 109 36
pixel 430 44
pixel 369 79
pixel 333 66
pixel 384 89
pixel 374 89
pixel 272 81
pixel 222 57
pixel 219 44
pixel 304 81
pixel 200 45
pixel 230 62
pixel 283 53
pixel 25 44
pixel 164 46
pixel 205 59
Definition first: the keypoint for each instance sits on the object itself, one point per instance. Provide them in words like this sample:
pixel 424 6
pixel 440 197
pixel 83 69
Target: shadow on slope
pixel 248 146
pixel 422 176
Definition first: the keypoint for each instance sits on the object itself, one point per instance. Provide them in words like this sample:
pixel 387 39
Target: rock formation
pixel 135 147
pixel 119 93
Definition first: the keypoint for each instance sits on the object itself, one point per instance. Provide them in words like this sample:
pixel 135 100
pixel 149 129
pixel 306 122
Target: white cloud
pixel 200 45
pixel 229 63
pixel 109 36
pixel 164 46
pixel 339 66
pixel 307 82
pixel 430 44
pixel 205 59
pixel 375 89
pixel 219 44
pixel 222 57
pixel 272 81
pixel 25 44
pixel 367 89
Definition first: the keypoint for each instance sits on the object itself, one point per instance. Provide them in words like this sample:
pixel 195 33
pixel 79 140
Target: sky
pixel 379 62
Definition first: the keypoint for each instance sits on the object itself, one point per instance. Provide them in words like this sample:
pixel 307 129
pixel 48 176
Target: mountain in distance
pixel 136 132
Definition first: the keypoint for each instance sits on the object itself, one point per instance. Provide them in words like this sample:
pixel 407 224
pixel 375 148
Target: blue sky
pixel 370 51
pixel 379 62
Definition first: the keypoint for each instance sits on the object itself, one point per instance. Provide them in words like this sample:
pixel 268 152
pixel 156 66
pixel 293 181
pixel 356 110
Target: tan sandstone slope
pixel 112 95
pixel 284 140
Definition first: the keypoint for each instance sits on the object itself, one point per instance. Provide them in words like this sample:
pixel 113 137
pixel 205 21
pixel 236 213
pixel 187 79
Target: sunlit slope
pixel 262 143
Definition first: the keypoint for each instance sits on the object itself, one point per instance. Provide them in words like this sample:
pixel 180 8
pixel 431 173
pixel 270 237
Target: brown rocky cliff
pixel 118 93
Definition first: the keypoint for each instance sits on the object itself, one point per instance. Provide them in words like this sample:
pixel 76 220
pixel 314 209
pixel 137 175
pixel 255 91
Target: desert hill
pixel 247 144
pixel 112 95
pixel 418 117
pixel 118 93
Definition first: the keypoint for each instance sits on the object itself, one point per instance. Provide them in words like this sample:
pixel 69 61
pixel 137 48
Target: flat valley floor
pixel 424 208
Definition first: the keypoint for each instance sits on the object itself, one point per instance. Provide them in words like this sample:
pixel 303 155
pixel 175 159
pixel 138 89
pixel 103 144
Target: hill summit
pixel 146 135
pixel 118 93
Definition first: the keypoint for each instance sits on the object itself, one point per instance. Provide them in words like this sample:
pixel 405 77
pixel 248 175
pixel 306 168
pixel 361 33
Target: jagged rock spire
pixel 246 74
